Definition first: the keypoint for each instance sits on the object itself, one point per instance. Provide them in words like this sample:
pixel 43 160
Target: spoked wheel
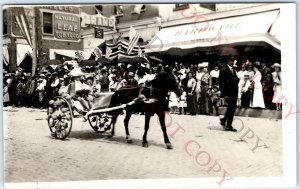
pixel 100 122
pixel 60 117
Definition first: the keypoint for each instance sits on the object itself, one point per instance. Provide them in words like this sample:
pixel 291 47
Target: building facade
pixel 199 30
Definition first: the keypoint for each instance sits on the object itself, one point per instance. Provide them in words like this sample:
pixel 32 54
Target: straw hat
pixel 76 72
pixel 276 65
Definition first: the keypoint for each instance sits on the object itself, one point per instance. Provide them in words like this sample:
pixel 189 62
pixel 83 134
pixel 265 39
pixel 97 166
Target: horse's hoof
pixel 169 146
pixel 129 141
pixel 145 144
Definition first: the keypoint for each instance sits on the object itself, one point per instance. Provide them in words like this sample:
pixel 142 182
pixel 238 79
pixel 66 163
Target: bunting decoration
pixel 133 39
pixel 22 23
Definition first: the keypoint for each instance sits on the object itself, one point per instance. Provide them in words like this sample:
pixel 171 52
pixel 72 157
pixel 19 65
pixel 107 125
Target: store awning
pixel 87 53
pixel 207 33
pixel 22 52
pixel 68 53
pixel 5 55
pixel 71 53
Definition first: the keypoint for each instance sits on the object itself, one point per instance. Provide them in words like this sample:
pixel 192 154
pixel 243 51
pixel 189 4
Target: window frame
pixel 115 11
pixel 48 34
pixel 142 10
pixel 5 21
pixel 182 7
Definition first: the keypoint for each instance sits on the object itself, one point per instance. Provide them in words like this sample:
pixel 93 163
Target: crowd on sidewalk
pixel 259 84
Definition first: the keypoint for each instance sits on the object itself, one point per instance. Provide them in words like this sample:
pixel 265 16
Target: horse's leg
pixel 162 116
pixel 147 122
pixel 126 123
pixel 113 122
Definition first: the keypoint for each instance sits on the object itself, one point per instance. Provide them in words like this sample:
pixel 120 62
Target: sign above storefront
pixel 206 33
pixel 68 9
pixel 67 26
pixel 97 20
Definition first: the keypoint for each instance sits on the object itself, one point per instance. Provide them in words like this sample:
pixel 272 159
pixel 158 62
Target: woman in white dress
pixel 258 98
pixel 277 85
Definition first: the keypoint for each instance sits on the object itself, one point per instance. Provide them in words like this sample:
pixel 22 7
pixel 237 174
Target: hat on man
pixel 276 65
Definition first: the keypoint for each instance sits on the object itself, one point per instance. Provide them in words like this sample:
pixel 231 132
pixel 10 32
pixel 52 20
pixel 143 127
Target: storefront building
pixel 53 29
pixel 144 18
pixel 198 32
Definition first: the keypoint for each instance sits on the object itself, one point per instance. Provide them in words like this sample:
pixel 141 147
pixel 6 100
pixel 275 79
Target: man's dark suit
pixel 228 82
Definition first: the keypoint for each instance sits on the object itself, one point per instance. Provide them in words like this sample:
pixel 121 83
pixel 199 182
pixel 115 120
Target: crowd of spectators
pixel 259 85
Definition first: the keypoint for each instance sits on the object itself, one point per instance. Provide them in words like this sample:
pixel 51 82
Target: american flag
pixel 108 52
pixel 133 39
pixel 97 52
pixel 22 23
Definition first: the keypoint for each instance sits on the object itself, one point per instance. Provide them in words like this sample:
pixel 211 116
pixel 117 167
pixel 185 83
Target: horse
pixel 156 92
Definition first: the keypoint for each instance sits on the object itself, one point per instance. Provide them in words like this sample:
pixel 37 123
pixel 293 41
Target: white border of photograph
pixel 288 62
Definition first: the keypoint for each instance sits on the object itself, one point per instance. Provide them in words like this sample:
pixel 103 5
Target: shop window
pixel 47 23
pixel 181 6
pixel 210 6
pixel 5 27
pixel 119 10
pixel 99 9
pixel 138 9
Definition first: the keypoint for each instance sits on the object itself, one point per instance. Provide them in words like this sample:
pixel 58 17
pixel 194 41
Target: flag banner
pixel 21 24
pixel 133 39
pixel 97 53
pixel 125 45
pixel 108 52
pixel 140 53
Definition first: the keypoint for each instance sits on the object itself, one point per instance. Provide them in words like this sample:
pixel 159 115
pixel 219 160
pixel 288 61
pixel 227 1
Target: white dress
pixel 277 87
pixel 241 75
pixel 173 100
pixel 258 98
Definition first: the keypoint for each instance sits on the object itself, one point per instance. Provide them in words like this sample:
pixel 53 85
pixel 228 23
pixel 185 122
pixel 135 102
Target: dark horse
pixel 155 92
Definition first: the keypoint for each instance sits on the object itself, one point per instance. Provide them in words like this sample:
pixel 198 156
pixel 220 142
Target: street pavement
pixel 201 149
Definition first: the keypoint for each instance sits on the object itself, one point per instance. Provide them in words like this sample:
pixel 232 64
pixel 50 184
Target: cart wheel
pixel 60 117
pixel 100 122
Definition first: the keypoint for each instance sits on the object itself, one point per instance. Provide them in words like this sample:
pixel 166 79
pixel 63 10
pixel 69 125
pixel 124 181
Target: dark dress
pixel 191 98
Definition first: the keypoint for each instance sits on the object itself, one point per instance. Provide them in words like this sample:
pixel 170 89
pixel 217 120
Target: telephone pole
pixel 34 45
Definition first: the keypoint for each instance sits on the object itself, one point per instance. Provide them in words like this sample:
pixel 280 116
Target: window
pixel 209 6
pixel 119 10
pixel 47 23
pixel 5 27
pixel 99 9
pixel 181 6
pixel 138 9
